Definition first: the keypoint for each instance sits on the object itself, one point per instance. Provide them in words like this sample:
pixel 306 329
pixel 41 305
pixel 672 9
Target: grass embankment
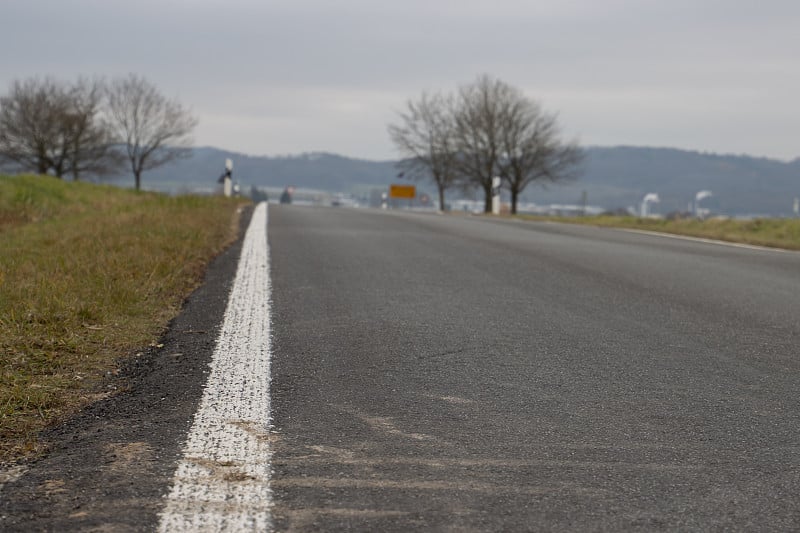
pixel 776 233
pixel 88 274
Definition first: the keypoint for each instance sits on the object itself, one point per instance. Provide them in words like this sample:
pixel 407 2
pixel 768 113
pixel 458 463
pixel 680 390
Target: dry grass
pixel 88 274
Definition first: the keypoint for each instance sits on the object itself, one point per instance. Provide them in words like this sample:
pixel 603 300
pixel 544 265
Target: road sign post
pixel 408 192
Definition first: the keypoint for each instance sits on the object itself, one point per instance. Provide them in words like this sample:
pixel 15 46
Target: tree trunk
pixel 487 204
pixel 514 194
pixel 441 198
pixel 138 176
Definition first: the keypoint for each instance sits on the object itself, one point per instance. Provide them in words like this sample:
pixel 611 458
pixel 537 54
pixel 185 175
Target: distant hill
pixel 612 177
pixel 621 176
pixel 322 171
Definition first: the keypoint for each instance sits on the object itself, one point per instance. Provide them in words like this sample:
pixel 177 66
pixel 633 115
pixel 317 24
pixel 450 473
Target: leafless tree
pixel 91 143
pixel 32 129
pixel 424 138
pixel 501 132
pixel 532 150
pixel 47 126
pixel 478 123
pixel 154 129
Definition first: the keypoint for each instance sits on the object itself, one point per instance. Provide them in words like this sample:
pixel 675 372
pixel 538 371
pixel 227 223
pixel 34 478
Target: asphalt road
pixel 449 373
pixel 462 374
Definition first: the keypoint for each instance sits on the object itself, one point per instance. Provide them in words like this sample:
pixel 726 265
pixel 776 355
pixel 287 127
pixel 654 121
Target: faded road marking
pixel 448 462
pixel 11 474
pixel 222 482
pixel 386 425
pixel 434 485
pixel 451 399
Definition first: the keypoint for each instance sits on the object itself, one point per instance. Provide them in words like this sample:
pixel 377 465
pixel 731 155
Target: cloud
pixel 329 75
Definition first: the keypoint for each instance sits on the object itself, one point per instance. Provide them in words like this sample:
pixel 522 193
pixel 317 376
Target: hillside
pixel 621 176
pixel 612 177
pixel 328 172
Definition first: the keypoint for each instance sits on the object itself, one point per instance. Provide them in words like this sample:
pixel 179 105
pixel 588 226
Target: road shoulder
pixel 110 465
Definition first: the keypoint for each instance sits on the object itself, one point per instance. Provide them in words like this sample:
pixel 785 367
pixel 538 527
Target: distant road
pixel 469 374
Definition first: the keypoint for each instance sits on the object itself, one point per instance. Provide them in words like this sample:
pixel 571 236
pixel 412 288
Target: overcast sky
pixel 285 77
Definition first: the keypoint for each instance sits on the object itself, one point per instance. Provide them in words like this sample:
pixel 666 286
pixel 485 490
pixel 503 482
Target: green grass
pixel 776 233
pixel 88 275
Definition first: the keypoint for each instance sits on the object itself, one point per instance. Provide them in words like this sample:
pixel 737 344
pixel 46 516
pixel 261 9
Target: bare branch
pixel 478 133
pixel 32 129
pixel 92 150
pixel 50 127
pixel 424 138
pixel 501 132
pixel 154 129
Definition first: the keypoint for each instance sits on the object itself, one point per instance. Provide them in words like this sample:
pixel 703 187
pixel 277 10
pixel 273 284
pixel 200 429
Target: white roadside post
pixel 226 184
pixel 496 182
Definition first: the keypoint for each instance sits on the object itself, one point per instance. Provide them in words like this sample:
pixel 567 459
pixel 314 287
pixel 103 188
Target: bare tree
pixel 154 129
pixel 91 142
pixel 424 137
pixel 32 125
pixel 501 132
pixel 478 123
pixel 48 126
pixel 532 150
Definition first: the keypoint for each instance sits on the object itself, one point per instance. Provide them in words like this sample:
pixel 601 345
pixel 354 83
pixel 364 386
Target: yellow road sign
pixel 402 191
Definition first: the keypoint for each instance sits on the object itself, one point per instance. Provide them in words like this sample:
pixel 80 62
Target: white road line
pixel 707 241
pixel 222 482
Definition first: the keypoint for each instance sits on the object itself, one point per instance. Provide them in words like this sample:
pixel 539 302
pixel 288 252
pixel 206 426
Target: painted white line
pixel 708 241
pixel 222 482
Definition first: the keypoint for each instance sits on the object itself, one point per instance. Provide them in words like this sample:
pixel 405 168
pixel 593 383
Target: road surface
pixel 461 374
pixel 453 373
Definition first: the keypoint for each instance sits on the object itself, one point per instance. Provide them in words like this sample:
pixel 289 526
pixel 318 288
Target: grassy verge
pixel 88 274
pixel 776 233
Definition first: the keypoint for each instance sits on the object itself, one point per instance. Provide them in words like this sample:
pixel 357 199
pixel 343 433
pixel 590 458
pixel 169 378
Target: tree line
pixel 91 128
pixel 486 129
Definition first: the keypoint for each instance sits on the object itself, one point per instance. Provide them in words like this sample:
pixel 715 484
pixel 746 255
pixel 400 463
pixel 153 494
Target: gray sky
pixel 285 77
